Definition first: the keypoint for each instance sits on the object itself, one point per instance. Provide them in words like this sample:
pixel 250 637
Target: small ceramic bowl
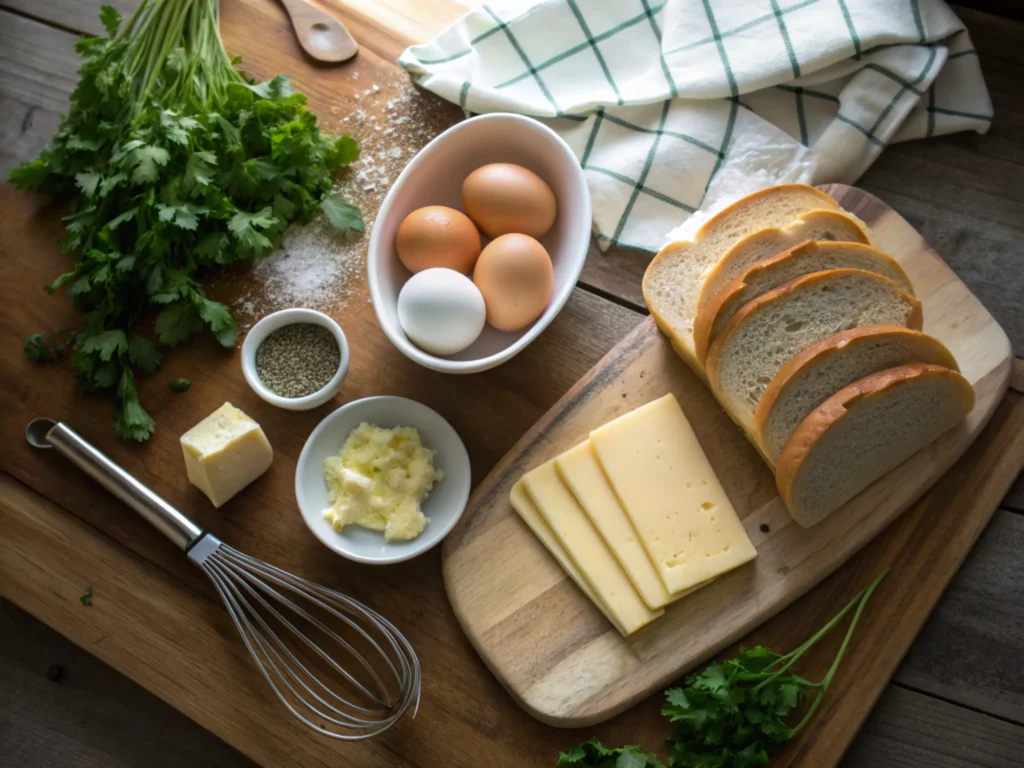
pixel 444 505
pixel 434 177
pixel 267 326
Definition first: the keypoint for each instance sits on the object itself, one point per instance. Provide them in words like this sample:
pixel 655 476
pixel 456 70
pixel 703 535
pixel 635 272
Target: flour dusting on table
pixel 315 266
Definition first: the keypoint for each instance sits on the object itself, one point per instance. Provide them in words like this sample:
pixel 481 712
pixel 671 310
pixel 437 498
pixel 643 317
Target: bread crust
pixel 817 353
pixel 838 406
pixel 914 321
pixel 840 219
pixel 678 248
pixel 704 324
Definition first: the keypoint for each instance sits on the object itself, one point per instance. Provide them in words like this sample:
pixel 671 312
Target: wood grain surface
pixel 544 639
pixel 961 191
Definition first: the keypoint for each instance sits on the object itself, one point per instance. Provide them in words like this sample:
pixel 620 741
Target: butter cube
pixel 224 453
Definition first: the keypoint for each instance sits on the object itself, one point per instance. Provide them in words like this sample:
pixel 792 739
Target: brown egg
pixel 501 198
pixel 436 236
pixel 515 276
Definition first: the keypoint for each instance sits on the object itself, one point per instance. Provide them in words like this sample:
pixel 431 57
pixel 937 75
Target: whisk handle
pixel 46 433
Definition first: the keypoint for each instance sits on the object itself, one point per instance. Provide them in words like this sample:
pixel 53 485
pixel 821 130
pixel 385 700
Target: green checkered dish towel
pixel 681 105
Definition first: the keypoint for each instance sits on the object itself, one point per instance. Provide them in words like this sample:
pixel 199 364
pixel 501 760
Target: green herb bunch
pixel 733 714
pixel 172 165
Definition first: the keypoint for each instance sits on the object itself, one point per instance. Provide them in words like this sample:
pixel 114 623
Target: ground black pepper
pixel 298 359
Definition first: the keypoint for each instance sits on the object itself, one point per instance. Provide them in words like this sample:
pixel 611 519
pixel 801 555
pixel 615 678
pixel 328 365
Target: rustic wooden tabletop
pixel 958 697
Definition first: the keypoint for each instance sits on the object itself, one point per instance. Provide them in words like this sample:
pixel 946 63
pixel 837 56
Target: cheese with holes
pixel 587 549
pixel 526 509
pixel 224 453
pixel 582 473
pixel 665 483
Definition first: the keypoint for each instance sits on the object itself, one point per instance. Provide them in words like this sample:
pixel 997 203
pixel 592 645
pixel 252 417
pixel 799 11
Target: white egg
pixel 441 311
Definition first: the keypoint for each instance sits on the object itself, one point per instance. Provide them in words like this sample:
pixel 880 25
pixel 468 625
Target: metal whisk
pixel 323 677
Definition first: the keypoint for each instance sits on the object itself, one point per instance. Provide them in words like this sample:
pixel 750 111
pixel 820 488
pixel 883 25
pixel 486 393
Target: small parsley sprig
pixel 172 165
pixel 735 713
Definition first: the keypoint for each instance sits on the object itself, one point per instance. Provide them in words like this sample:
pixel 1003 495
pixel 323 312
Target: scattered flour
pixel 315 266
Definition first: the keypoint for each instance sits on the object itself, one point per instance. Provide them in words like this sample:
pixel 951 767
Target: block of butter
pixel 224 453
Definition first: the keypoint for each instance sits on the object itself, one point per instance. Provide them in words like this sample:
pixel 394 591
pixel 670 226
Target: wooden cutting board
pixel 553 651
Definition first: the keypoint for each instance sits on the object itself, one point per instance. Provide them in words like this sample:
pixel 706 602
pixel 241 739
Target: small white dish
pixel 273 322
pixel 443 507
pixel 434 177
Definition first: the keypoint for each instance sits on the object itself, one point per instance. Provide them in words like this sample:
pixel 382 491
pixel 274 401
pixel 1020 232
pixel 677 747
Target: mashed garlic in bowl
pixel 397 458
pixel 379 480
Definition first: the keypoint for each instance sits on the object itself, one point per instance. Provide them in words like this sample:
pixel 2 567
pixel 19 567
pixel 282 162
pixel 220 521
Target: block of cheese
pixel 582 474
pixel 587 549
pixel 665 483
pixel 526 509
pixel 224 453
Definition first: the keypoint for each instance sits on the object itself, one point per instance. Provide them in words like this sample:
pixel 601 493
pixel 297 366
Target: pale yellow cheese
pixel 587 549
pixel 524 506
pixel 665 483
pixel 582 474
pixel 224 453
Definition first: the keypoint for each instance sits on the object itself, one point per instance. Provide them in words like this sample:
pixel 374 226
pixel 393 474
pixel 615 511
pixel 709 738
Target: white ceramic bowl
pixel 443 506
pixel 434 177
pixel 267 326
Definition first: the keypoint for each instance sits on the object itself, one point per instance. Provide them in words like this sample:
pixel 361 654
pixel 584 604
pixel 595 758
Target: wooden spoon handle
pixel 321 36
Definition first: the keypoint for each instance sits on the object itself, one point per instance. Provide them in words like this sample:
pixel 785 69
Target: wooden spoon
pixel 321 36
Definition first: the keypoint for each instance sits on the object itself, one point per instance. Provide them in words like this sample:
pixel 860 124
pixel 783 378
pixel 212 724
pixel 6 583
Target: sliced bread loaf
pixel 863 432
pixel 673 280
pixel 781 268
pixel 818 372
pixel 769 330
pixel 814 225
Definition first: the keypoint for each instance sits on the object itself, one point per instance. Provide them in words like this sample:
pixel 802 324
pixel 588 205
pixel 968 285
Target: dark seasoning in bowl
pixel 298 359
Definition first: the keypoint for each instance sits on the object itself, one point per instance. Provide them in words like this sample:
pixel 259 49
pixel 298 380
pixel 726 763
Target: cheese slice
pixel 665 483
pixel 587 549
pixel 524 506
pixel 224 453
pixel 582 474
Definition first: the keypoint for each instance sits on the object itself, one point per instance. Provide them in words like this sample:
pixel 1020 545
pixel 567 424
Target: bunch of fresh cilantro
pixel 733 714
pixel 172 165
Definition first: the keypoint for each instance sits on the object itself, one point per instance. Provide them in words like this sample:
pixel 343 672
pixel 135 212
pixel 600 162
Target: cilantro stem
pixel 861 600
pixel 793 656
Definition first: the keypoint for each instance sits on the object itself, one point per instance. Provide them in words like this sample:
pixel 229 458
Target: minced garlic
pixel 379 479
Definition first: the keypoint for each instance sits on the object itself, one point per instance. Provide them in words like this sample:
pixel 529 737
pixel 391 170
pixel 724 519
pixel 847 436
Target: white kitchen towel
pixel 681 105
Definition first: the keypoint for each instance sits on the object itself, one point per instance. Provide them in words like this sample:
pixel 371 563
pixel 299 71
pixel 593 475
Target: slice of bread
pixel 674 278
pixel 781 268
pixel 818 372
pixel 863 432
pixel 769 330
pixel 814 225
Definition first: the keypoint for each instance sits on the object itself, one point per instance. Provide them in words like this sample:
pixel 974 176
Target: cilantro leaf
pixel 87 182
pixel 199 170
pixel 218 316
pixel 86 597
pixel 143 353
pixel 146 162
pixel 593 754
pixel 179 385
pixel 246 228
pixel 177 323
pixel 105 344
pixel 133 423
pixel 344 216
pixel 111 19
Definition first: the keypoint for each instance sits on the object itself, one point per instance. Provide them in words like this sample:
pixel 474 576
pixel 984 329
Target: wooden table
pixel 957 699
